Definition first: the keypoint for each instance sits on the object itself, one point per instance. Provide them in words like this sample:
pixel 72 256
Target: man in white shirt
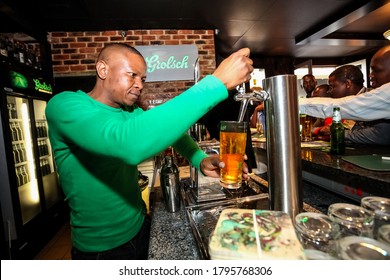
pixel 372 105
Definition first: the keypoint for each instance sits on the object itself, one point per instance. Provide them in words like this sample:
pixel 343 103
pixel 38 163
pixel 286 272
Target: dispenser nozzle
pixel 246 97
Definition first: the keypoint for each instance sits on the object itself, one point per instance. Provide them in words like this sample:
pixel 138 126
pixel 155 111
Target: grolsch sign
pixel 169 63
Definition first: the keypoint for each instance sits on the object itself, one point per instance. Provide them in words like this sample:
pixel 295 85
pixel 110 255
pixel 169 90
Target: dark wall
pixel 278 65
pixel 84 83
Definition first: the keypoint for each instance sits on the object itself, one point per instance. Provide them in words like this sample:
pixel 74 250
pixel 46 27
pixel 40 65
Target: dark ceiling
pixel 298 28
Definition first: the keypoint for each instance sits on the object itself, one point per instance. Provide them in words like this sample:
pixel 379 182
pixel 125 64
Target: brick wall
pixel 74 54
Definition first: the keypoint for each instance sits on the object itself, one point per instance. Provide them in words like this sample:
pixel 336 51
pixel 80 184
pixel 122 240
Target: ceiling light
pixel 387 34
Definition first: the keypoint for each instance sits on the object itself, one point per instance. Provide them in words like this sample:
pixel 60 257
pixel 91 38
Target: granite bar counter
pixel 336 173
pixel 171 237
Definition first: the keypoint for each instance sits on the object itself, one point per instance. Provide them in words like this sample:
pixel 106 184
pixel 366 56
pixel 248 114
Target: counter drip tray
pixel 203 217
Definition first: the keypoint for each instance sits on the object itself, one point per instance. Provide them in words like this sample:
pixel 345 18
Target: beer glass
pixel 306 127
pixel 232 141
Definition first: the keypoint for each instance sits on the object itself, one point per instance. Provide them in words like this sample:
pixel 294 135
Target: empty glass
pixel 316 231
pixel 362 248
pixel 384 234
pixel 312 254
pixel 380 206
pixel 352 219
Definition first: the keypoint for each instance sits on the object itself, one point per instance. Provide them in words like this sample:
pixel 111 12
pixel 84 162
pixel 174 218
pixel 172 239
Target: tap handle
pixel 260 95
pixel 241 88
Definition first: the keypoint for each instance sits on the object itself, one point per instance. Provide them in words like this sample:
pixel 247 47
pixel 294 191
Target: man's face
pixel 380 70
pixel 126 74
pixel 309 83
pixel 337 89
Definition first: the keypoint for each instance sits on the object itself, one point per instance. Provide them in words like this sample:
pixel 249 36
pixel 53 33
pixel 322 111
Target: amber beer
pixel 232 141
pixel 306 127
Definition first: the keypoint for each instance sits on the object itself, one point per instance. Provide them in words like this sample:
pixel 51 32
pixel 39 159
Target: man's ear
pixel 101 69
pixel 348 83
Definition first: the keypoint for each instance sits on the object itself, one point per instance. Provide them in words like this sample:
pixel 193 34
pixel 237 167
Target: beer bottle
pixel 16 154
pixel 20 131
pixel 337 141
pixel 19 179
pixel 25 171
pixel 41 167
pixel 10 48
pixel 14 134
pixel 47 167
pixel 21 154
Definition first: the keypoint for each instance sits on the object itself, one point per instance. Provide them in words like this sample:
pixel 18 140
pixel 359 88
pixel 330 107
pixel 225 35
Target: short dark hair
pixel 120 46
pixel 350 72
pixel 309 76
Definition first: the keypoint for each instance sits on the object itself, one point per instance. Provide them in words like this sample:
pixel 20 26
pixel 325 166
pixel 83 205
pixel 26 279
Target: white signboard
pixel 169 63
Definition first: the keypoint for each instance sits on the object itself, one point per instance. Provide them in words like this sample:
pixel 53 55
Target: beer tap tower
pixel 283 143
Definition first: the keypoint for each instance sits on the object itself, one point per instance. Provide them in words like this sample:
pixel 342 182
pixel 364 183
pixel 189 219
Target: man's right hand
pixel 235 69
pixel 324 131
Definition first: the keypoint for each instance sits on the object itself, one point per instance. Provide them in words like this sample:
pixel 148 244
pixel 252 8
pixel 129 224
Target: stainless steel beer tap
pixel 283 143
pixel 245 98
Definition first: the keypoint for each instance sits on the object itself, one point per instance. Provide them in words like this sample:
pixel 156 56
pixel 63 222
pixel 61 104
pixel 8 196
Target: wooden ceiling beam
pixel 334 23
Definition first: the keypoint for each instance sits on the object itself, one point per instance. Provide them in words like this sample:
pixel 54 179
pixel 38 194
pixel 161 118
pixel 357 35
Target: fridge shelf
pixel 21 163
pixel 18 142
pixel 45 156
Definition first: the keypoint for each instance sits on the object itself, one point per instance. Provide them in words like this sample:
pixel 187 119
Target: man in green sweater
pixel 100 137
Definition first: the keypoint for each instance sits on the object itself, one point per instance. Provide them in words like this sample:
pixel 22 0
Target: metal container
pixel 283 144
pixel 170 184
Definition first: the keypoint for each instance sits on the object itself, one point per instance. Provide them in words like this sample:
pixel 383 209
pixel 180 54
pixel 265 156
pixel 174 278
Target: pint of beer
pixel 306 127
pixel 232 141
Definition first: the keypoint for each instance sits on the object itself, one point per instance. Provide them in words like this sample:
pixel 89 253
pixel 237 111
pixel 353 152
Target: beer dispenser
pixel 283 143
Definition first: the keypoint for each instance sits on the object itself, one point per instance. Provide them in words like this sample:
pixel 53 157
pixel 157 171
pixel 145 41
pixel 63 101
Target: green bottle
pixel 337 140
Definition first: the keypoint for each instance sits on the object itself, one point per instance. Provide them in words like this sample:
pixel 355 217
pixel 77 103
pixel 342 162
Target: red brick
pixel 101 39
pixel 109 33
pixel 78 68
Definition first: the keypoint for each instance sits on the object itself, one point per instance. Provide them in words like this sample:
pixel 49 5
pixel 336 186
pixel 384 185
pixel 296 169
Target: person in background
pixel 368 106
pixel 309 83
pixel 100 137
pixel 344 81
pixel 256 109
pixel 321 91
pixel 255 115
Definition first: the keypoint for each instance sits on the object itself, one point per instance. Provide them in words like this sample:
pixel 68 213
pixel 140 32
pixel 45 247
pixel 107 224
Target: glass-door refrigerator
pixel 31 198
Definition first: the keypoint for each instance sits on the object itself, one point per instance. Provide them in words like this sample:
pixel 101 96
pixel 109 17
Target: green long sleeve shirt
pixel 97 149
